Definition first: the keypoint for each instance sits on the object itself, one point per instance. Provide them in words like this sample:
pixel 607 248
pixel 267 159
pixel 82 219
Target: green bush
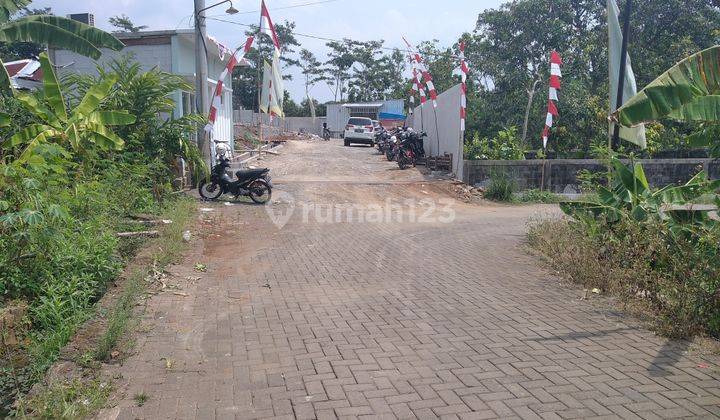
pixel 501 187
pixel 64 198
pixel 537 196
pixel 675 280
pixel 505 146
pixel 634 242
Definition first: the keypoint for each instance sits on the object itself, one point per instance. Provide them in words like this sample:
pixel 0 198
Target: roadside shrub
pixel 501 187
pixel 537 196
pixel 644 245
pixel 505 146
pixel 677 280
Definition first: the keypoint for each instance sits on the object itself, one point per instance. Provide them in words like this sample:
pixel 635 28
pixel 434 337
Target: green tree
pixel 337 67
pixel 312 72
pixel 508 57
pixel 50 30
pixel 124 23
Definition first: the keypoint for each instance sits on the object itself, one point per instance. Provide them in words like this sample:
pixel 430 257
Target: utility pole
pixel 621 81
pixel 201 77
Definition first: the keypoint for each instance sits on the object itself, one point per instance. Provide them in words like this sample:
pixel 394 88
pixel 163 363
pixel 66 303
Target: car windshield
pixel 360 121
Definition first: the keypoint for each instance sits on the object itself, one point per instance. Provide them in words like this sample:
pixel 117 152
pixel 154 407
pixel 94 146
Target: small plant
pixel 505 146
pixel 501 187
pixel 71 400
pixel 537 196
pixel 140 399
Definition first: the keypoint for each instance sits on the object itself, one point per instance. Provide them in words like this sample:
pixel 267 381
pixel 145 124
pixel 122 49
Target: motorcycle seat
pixel 246 174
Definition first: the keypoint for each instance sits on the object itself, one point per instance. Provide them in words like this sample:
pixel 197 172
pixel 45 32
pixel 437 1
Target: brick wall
pixel 560 175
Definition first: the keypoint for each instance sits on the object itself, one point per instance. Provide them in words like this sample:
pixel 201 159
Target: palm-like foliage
pixel 689 91
pixel 54 31
pixel 149 96
pixel 629 196
pixel 87 123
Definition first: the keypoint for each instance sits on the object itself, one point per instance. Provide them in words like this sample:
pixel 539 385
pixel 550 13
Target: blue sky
pixel 363 20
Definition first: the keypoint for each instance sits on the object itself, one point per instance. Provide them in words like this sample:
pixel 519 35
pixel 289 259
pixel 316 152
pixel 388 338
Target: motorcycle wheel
pixel 260 191
pixel 389 155
pixel 401 162
pixel 209 190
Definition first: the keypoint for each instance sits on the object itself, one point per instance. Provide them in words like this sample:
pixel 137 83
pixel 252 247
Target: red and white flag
pixel 420 65
pixel 418 85
pixel 267 27
pixel 463 86
pixel 236 58
pixel 555 76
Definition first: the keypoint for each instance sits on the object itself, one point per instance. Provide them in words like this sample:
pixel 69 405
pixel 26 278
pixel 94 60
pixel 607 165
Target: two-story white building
pixel 172 51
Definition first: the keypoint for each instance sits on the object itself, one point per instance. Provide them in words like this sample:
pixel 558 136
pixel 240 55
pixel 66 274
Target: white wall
pixel 447 128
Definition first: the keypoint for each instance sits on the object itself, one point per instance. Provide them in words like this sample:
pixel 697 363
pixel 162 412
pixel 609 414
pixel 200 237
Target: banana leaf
pixel 26 135
pixel 94 96
pixel 53 94
pixel 35 31
pixel 96 37
pixel 10 7
pixel 580 209
pixel 689 91
pixel 112 117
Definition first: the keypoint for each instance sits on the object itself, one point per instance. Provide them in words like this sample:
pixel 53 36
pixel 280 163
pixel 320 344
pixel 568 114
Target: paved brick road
pixel 391 320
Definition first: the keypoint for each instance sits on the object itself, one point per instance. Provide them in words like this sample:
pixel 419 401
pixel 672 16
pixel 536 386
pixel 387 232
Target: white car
pixel 359 130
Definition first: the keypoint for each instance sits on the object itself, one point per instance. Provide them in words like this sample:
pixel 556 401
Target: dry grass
pixel 673 284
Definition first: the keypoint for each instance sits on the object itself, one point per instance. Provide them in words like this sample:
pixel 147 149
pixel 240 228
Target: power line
pixel 345 40
pixel 280 8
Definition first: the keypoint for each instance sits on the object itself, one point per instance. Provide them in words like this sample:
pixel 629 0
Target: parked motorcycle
pixel 410 148
pixel 253 183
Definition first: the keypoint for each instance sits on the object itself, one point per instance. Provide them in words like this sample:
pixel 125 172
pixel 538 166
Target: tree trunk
pixel 531 96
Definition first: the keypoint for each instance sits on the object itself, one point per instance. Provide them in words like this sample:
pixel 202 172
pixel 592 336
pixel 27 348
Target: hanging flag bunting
pixel 267 27
pixel 237 57
pixel 555 75
pixel 222 50
pixel 420 65
pixel 418 85
pixel 463 87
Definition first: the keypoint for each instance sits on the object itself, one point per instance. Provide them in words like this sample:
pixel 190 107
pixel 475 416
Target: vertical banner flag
pixel 276 90
pixel 555 75
pixel 267 27
pixel 237 57
pixel 636 134
pixel 269 102
pixel 424 72
pixel 463 88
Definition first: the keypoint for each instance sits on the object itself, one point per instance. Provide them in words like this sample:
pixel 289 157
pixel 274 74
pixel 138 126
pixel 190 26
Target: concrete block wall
pixel 560 176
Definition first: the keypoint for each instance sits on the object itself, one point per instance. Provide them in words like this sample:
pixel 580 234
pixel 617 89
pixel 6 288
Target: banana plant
pixel 54 31
pixel 629 196
pixel 688 91
pixel 86 124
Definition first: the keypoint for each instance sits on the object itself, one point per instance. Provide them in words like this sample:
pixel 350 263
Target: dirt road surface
pixel 334 302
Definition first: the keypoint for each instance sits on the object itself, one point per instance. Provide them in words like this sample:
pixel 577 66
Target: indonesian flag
pixel 267 27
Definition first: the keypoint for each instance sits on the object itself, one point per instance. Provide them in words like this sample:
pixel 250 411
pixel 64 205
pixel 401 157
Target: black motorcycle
pixel 253 183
